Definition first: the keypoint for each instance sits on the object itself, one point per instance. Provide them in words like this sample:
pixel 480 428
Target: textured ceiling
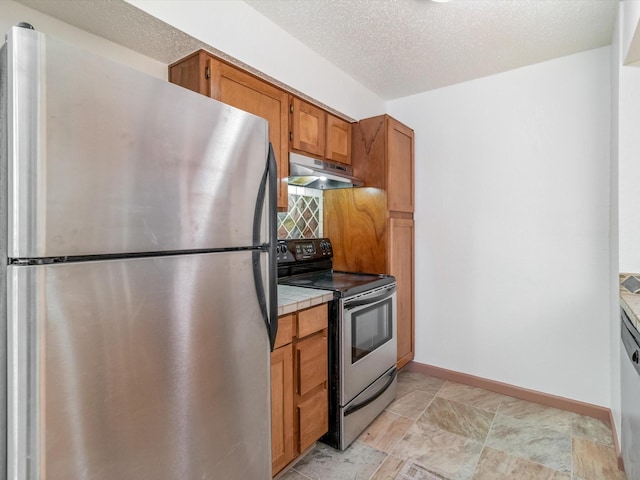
pixel 124 24
pixel 401 47
pixel 393 47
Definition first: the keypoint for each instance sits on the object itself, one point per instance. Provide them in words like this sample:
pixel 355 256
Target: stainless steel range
pixel 362 335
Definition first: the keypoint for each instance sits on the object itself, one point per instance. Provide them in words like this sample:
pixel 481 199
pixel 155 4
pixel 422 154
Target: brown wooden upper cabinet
pixel 338 147
pixel 208 75
pixel 317 132
pixel 308 127
pixel 383 150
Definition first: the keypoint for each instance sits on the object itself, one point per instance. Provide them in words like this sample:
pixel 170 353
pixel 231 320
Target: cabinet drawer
pixel 312 320
pixel 313 418
pixel 311 360
pixel 285 330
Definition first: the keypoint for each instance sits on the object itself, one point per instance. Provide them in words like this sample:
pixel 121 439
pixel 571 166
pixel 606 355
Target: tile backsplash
pixel 629 283
pixel 304 217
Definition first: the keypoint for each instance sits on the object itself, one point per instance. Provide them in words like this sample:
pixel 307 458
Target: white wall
pixel 614 238
pixel 625 147
pixel 11 13
pixel 238 30
pixel 629 163
pixel 512 226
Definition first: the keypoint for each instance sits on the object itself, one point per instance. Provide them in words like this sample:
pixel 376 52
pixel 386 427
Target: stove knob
pixel 284 248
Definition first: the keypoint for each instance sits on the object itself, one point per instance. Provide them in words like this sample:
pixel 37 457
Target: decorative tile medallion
pixel 304 217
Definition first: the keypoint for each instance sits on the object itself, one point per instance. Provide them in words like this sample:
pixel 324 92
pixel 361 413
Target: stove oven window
pixel 371 327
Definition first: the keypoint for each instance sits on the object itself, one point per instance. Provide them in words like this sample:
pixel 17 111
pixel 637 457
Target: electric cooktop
pixel 309 263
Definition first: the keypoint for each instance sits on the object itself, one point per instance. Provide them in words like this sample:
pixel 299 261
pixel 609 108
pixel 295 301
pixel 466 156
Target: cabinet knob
pixel 291 136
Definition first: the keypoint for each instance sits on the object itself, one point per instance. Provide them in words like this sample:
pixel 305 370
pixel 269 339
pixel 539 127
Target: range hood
pixel 313 173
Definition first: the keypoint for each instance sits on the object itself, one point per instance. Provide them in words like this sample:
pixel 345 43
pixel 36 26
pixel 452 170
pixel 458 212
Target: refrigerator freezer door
pixel 104 159
pixel 133 368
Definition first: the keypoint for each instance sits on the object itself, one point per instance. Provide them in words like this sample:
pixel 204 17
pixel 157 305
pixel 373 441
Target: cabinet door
pixel 308 127
pixel 338 146
pixel 313 418
pixel 400 166
pixel 282 429
pixel 401 254
pixel 312 363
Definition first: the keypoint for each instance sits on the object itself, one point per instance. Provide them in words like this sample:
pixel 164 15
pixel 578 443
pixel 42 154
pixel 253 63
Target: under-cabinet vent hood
pixel 313 173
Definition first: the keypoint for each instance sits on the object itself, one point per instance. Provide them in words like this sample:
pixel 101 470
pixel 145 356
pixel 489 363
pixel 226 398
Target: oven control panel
pixel 303 249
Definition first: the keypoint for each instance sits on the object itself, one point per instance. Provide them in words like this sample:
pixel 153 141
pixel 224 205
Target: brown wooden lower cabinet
pixel 313 418
pixel 299 374
pixel 282 442
pixel 401 261
pixel 310 367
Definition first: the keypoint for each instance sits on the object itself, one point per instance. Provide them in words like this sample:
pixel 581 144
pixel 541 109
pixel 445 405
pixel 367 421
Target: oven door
pixel 368 345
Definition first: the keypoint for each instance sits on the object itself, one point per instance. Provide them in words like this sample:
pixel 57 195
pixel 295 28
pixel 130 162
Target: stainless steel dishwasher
pixel 630 390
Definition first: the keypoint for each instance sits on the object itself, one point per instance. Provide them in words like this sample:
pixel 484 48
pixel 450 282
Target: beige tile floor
pixel 437 430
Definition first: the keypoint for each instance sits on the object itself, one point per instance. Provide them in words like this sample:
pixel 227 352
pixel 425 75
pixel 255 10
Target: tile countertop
pixel 630 296
pixel 291 299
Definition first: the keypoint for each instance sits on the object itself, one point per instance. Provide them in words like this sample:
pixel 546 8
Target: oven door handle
pixel 370 301
pixel 354 408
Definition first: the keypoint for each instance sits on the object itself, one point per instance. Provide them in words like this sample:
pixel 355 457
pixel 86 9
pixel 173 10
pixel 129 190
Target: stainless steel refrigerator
pixel 138 287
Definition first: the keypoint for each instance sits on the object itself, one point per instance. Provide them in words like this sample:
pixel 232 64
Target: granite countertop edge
pixel 291 299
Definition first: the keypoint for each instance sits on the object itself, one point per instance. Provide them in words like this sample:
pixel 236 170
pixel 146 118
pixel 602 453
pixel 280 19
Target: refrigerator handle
pixel 273 243
pixel 270 314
